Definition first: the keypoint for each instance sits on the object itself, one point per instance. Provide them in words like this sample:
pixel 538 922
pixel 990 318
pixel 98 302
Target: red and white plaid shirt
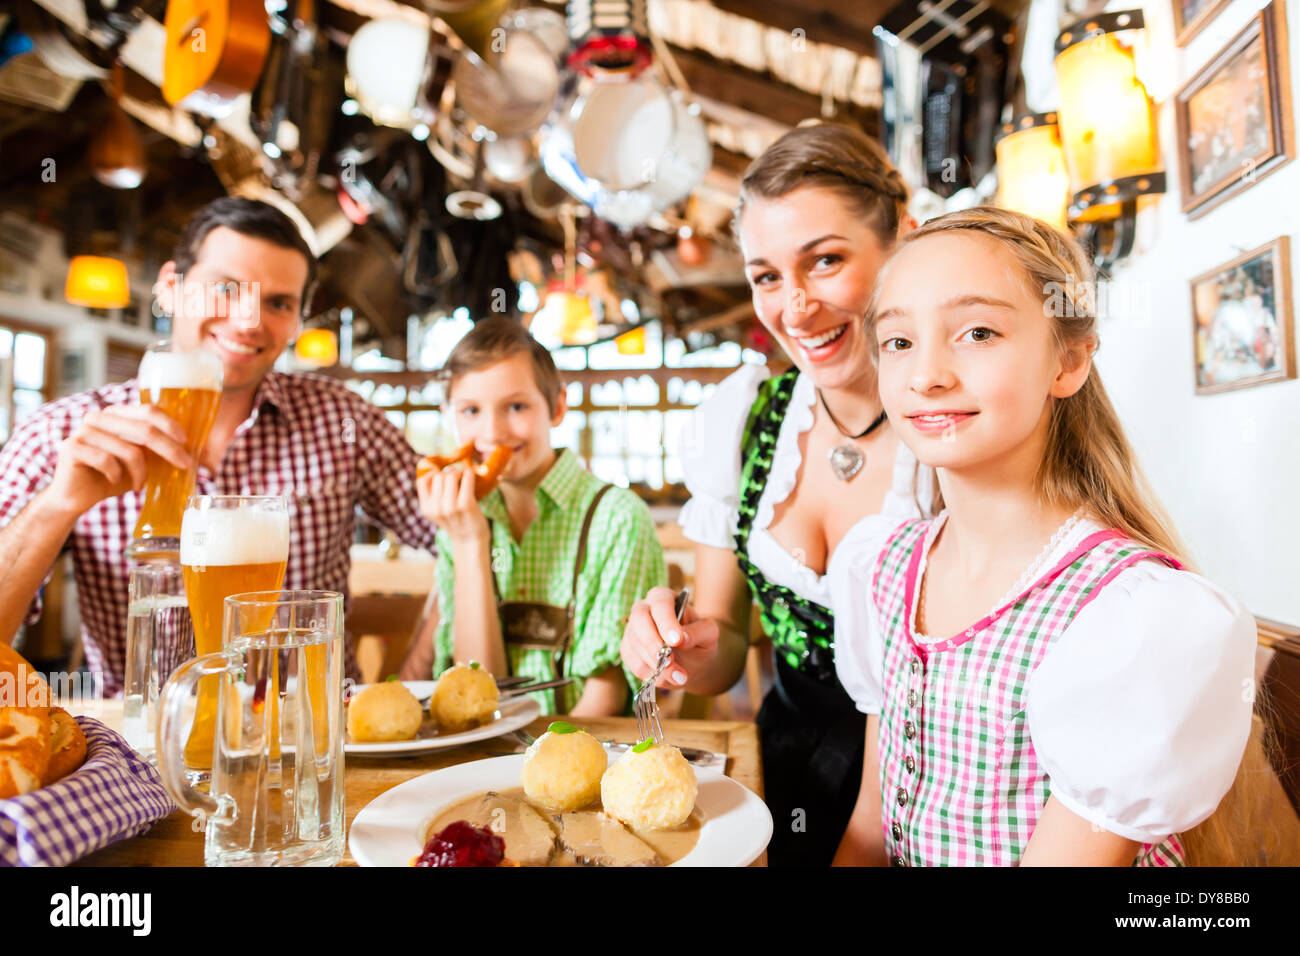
pixel 324 448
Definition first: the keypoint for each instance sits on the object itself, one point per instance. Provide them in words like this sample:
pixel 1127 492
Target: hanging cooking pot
pixel 397 71
pixel 627 150
pixel 546 25
pixel 509 160
pixel 513 90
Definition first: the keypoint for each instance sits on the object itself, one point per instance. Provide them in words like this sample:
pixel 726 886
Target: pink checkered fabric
pixel 960 782
pixel 308 438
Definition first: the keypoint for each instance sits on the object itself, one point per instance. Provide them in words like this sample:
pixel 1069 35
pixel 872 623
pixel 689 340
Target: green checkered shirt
pixel 624 561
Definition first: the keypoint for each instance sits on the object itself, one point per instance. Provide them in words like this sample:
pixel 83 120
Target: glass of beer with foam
pixel 230 544
pixel 187 387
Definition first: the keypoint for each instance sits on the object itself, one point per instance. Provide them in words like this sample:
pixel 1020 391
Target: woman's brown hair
pixel 834 157
pixel 493 340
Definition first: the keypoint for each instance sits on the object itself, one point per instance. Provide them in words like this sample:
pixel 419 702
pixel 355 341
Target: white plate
pixel 389 830
pixel 511 715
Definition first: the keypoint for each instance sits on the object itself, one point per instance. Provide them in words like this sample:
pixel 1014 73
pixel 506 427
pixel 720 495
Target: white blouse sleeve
pixel 1141 712
pixel 859 647
pixel 709 450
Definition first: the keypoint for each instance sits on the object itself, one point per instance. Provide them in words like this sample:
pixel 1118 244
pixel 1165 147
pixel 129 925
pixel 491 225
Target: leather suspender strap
pixel 581 556
pixel 578 560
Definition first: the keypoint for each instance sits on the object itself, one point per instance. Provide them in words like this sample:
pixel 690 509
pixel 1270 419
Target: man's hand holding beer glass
pixel 108 455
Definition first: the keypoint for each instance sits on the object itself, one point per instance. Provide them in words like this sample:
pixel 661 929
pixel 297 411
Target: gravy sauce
pixel 582 838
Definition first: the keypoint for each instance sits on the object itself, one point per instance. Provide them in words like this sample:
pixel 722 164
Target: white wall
pixel 1227 466
pixel 76 330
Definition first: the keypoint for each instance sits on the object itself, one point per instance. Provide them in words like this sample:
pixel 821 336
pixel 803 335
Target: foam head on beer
pixel 200 370
pixel 214 537
pixel 227 551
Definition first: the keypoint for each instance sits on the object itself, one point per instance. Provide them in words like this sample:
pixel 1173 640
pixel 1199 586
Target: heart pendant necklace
pixel 847 459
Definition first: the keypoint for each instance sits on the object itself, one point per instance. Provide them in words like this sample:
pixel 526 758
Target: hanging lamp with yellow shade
pixel 97 282
pixel 1032 177
pixel 1108 130
pixel 317 347
pixel 567 315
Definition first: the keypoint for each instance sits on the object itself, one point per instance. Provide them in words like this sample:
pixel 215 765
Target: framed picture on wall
pixel 1235 123
pixel 1191 16
pixel 1242 326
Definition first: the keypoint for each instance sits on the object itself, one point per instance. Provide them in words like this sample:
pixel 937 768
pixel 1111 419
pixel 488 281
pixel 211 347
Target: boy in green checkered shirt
pixel 512 557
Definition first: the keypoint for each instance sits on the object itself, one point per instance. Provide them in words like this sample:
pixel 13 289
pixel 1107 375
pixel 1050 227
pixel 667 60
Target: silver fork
pixel 646 706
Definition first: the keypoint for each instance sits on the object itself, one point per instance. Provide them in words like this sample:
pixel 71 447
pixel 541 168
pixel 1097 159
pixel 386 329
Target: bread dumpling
pixel 653 789
pixel 387 711
pixel 464 697
pixel 562 770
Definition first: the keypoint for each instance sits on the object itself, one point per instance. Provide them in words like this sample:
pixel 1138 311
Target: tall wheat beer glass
pixel 187 387
pixel 230 544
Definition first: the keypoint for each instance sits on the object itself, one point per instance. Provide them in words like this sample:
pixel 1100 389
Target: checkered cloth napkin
pixel 114 795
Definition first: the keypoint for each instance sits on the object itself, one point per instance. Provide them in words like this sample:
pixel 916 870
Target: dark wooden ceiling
pixel 180 180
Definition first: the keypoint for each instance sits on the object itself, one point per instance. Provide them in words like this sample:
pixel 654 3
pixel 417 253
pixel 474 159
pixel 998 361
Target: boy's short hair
pixel 493 340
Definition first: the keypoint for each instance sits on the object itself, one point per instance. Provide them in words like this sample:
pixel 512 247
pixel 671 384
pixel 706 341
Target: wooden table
pixel 173 841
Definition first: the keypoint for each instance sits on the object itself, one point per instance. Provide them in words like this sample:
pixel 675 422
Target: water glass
pixel 276 789
pixel 159 638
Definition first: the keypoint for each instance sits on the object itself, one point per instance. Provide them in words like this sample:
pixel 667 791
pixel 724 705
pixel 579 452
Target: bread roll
pixel 24 725
pixel 67 746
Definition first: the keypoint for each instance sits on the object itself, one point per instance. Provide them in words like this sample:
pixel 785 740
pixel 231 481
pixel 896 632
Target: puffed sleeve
pixel 859 643
pixel 710 454
pixel 1141 712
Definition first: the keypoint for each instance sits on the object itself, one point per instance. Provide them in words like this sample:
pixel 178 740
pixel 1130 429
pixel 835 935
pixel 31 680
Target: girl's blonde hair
pixel 1089 462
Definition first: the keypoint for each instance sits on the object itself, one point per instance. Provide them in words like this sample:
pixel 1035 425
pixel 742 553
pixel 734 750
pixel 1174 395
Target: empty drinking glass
pixel 276 790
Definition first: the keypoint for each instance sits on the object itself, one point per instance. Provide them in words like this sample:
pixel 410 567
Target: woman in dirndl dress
pixel 779 467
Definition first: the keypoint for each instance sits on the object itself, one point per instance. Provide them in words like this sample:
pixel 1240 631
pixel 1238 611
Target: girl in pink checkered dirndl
pixel 1096 710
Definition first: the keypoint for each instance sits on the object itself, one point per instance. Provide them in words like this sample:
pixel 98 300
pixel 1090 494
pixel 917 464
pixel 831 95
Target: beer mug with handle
pixel 187 387
pixel 276 789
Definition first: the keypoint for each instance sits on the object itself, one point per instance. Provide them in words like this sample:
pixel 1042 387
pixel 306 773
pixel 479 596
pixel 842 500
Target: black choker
pixel 847 460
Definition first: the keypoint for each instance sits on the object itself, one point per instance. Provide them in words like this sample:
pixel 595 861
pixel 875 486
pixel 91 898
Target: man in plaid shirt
pixel 71 474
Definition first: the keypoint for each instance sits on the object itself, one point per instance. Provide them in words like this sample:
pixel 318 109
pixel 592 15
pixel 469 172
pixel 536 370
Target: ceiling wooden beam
pixel 836 22
pixel 759 93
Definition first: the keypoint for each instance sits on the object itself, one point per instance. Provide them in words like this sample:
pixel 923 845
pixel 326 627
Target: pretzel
pixel 486 473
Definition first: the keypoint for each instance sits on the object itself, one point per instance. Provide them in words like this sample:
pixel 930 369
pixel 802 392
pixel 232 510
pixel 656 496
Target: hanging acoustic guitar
pixel 215 52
